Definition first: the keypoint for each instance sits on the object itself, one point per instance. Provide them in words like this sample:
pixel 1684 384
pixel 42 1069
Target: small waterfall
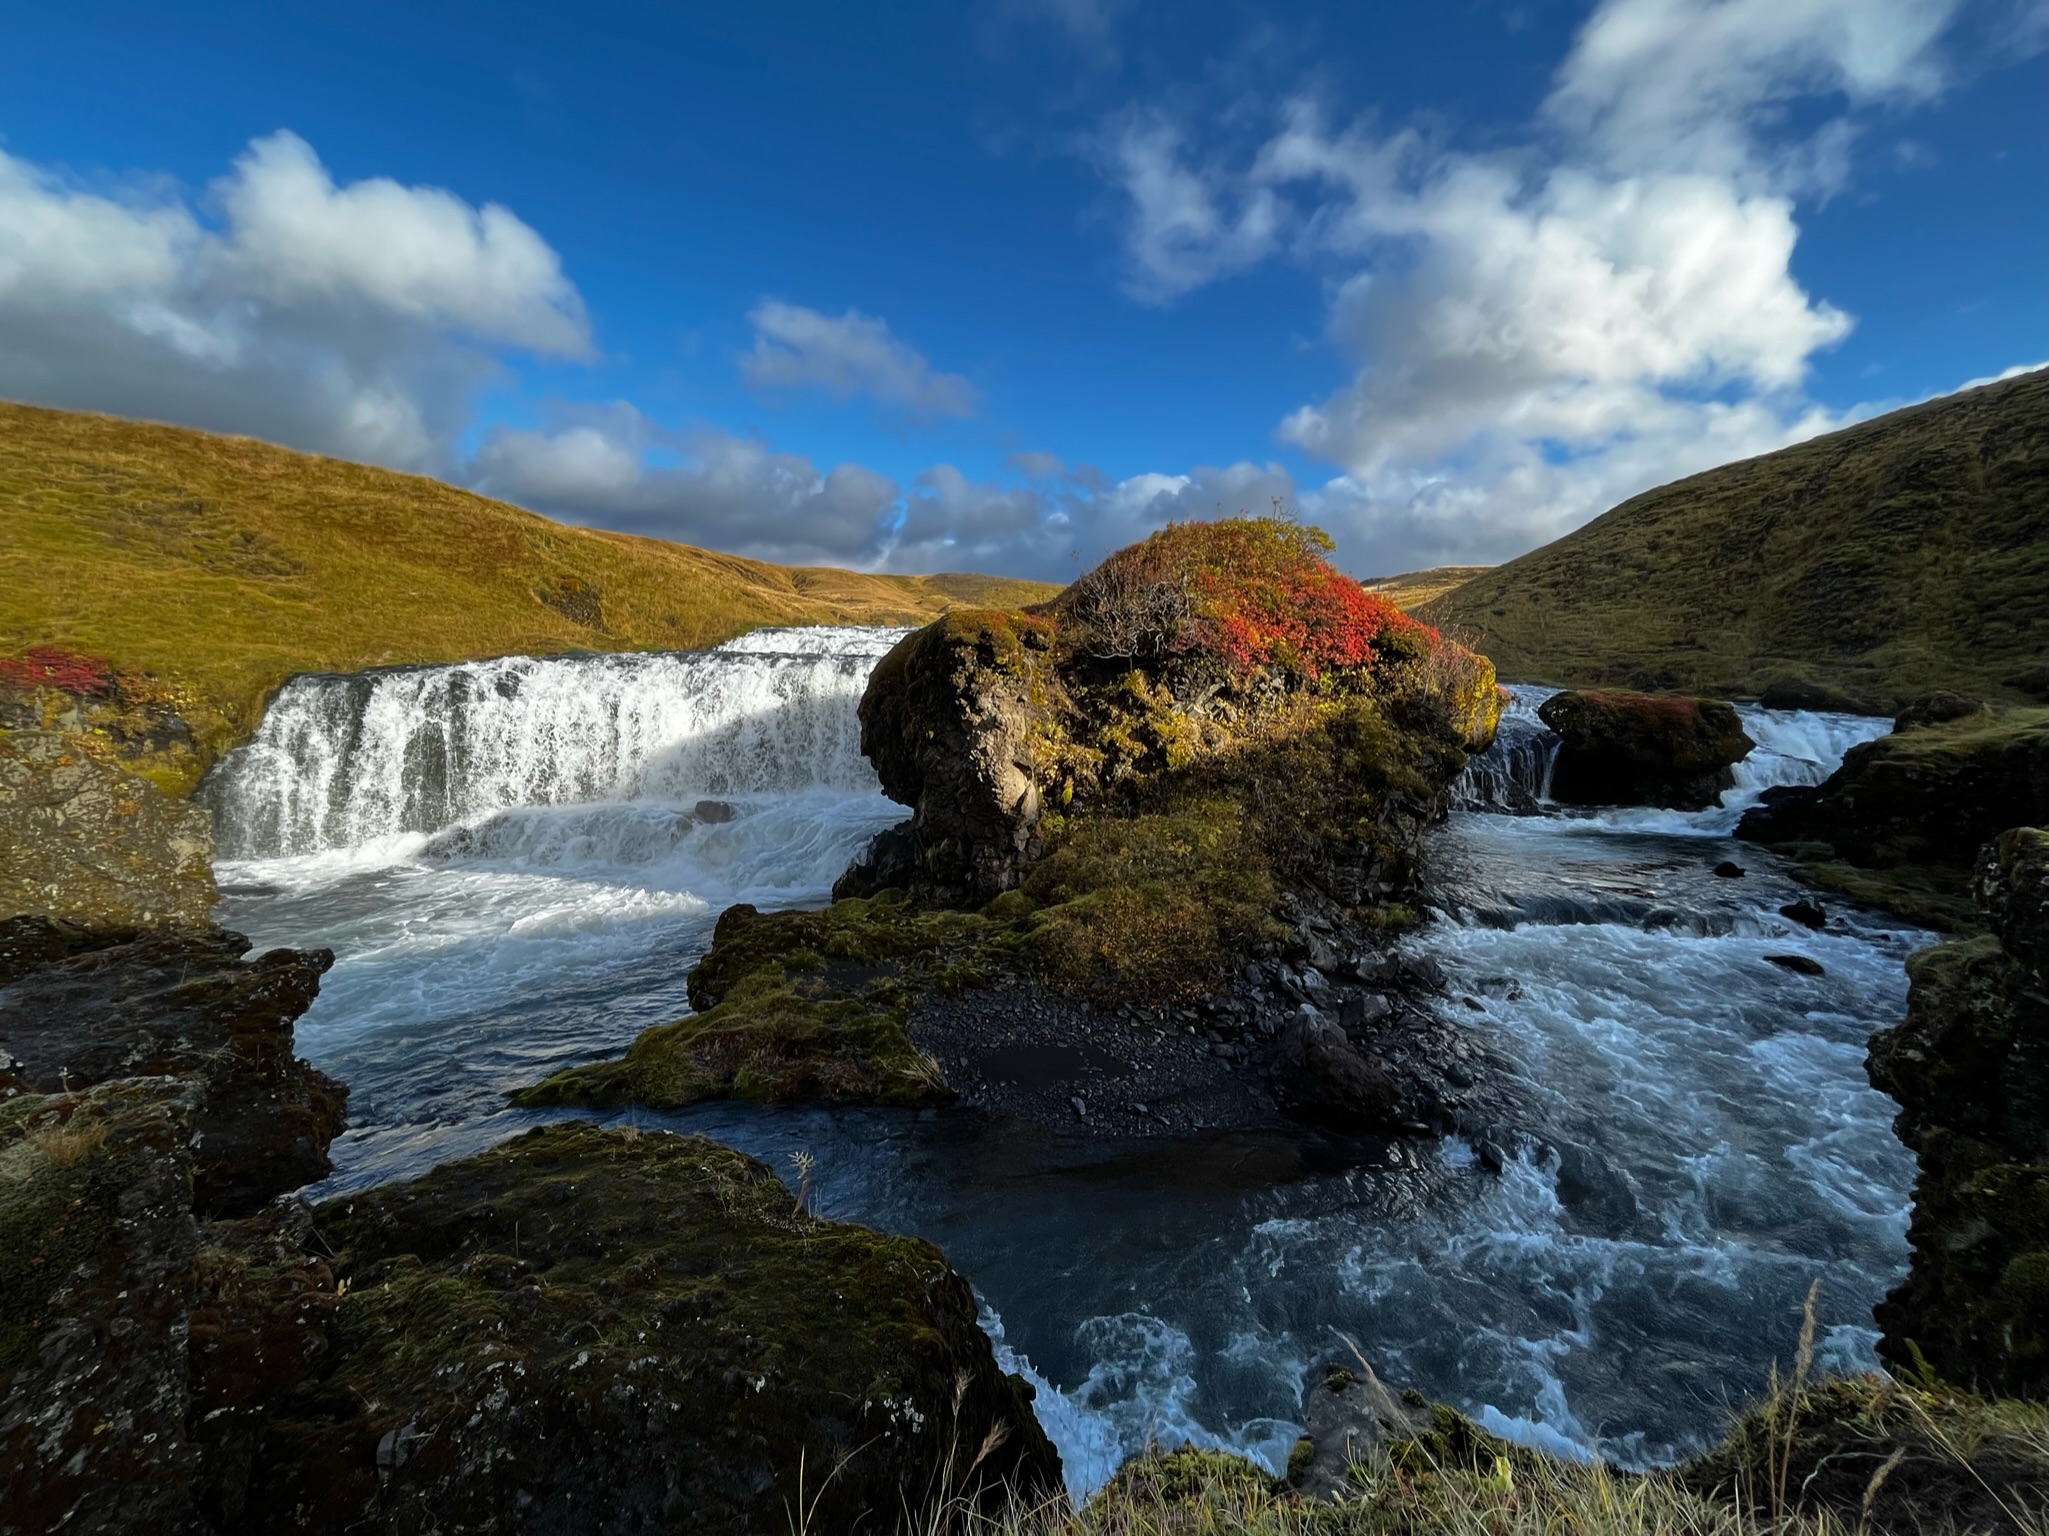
pixel 342 761
pixel 1514 774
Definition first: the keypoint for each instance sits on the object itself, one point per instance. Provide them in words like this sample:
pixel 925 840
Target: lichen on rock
pixel 90 842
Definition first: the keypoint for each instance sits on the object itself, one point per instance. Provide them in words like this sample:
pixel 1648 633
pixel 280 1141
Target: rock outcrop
pixel 89 842
pixel 1211 751
pixel 578 1330
pixel 1643 748
pixel 1970 1068
pixel 951 720
pixel 180 1004
pixel 1901 821
pixel 96 1246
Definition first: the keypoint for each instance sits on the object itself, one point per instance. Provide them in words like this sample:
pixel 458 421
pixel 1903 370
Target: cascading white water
pixel 1793 747
pixel 341 762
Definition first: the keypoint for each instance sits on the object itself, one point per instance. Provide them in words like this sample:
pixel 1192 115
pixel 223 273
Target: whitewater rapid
pixel 518 861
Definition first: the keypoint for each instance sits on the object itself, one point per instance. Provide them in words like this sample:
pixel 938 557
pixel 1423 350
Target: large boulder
pixel 949 722
pixel 90 842
pixel 1969 1066
pixel 1643 748
pixel 184 1004
pixel 598 1330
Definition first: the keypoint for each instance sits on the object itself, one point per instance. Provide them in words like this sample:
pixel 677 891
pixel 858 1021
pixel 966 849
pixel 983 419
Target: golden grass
pixel 1906 554
pixel 1412 589
pixel 223 565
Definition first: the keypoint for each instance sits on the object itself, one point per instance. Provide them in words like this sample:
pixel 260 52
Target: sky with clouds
pixel 1000 285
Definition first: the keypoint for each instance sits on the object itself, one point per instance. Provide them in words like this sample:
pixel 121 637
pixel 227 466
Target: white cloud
pixel 420 252
pixel 356 320
pixel 1189 226
pixel 1686 84
pixel 1537 333
pixel 848 355
pixel 731 492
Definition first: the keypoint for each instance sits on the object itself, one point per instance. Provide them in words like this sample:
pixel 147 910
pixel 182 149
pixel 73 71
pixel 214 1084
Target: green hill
pixel 1905 554
pixel 221 565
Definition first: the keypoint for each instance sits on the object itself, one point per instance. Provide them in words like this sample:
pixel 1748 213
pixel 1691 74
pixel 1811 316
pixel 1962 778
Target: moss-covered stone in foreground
pixel 796 1005
pixel 600 1330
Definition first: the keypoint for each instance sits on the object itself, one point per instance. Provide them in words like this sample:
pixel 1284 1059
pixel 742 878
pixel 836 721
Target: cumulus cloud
pixel 848 355
pixel 1536 333
pixel 1687 84
pixel 729 491
pixel 357 320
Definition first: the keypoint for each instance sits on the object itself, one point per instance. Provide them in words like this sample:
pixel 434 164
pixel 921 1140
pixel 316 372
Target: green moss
pixel 1931 897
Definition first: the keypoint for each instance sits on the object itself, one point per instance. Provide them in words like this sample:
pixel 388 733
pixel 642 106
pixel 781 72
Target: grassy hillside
pixel 1905 554
pixel 1412 589
pixel 222 565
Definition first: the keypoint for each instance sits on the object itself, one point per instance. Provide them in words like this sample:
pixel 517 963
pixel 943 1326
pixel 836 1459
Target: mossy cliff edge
pixel 1213 749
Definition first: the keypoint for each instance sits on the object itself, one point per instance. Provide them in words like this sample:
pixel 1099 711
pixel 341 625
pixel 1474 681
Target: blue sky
pixel 980 286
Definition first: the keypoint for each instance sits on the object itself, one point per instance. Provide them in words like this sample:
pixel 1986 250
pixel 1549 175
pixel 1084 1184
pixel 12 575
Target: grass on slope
pixel 223 565
pixel 1902 555
pixel 1412 589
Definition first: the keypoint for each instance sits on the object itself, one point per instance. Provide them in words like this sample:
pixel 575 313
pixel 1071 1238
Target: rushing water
pixel 518 861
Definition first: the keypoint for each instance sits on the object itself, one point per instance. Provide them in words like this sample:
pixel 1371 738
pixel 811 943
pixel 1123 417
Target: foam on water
pixel 518 861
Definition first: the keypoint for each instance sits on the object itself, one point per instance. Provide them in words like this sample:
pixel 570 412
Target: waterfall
pixel 1793 747
pixel 342 761
pixel 1514 774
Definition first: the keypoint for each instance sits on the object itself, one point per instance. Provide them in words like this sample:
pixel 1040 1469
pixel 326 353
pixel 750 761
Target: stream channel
pixel 517 862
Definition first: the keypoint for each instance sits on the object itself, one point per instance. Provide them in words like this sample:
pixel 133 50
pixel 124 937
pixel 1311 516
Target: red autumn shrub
pixel 1255 590
pixel 47 666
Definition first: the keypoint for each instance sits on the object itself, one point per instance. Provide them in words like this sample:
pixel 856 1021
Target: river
pixel 517 862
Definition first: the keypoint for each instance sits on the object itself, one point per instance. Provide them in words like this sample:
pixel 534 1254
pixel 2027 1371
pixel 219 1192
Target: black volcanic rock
pixel 180 1004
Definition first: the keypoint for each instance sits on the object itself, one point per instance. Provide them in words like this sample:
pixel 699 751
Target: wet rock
pixel 1322 1077
pixel 1969 1066
pixel 1729 869
pixel 715 813
pixel 1597 1197
pixel 1363 1010
pixel 185 1004
pixel 1799 964
pixel 96 1220
pixel 890 862
pixel 1350 1419
pixel 1643 749
pixel 89 842
pixel 1808 914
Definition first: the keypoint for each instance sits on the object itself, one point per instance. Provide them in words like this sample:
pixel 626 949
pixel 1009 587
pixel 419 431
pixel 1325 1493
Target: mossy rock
pixel 1913 809
pixel 603 1330
pixel 1643 749
pixel 796 1005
